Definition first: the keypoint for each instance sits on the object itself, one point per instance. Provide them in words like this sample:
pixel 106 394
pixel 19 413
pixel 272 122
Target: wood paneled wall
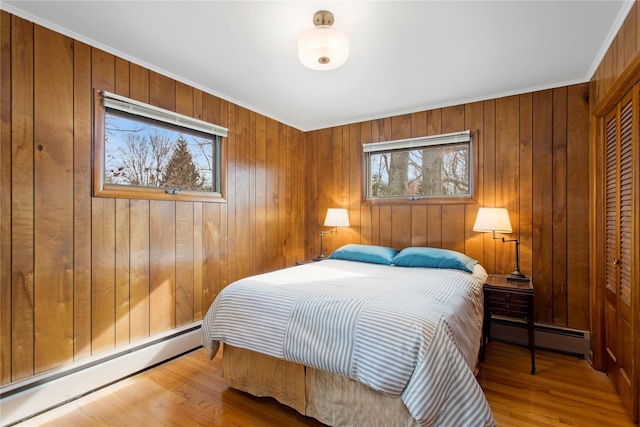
pixel 533 159
pixel 621 53
pixel 81 275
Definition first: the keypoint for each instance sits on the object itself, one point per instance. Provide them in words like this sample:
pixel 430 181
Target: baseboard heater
pixel 548 337
pixel 24 399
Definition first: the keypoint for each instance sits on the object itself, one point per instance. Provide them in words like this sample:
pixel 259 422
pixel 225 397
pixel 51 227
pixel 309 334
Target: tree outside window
pixel 143 153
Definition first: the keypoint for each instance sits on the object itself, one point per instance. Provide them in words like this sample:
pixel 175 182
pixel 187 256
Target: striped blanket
pixel 411 332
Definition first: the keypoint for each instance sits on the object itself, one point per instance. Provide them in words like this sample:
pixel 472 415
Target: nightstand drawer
pixel 507 304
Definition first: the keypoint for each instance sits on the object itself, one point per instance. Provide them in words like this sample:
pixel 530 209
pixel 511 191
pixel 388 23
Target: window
pixel 146 152
pixel 433 167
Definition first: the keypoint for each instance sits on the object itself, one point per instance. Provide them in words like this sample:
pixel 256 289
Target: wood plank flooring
pixel 190 391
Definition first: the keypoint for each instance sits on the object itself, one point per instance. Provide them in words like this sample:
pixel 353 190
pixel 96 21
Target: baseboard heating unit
pixel 24 399
pixel 549 337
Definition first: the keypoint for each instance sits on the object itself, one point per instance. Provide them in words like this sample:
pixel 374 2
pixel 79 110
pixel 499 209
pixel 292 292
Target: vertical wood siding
pixel 5 199
pixel 533 160
pixel 623 50
pixel 82 275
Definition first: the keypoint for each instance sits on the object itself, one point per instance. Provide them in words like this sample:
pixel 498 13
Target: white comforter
pixel 412 332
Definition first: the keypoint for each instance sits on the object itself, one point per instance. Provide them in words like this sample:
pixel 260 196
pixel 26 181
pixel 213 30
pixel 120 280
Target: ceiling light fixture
pixel 323 47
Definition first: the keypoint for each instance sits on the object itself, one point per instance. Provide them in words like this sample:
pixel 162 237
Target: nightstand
pixel 508 299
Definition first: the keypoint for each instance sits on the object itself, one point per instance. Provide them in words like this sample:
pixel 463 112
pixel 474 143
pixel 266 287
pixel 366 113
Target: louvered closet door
pixel 611 230
pixel 621 128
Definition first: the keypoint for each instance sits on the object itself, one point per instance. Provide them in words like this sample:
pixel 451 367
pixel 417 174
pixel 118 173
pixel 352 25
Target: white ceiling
pixel 404 56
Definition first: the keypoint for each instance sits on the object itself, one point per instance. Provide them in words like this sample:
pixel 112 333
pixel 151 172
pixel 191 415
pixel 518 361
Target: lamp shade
pixel 336 217
pixel 323 48
pixel 493 219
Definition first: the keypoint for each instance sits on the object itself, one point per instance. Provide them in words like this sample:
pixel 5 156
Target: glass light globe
pixel 323 48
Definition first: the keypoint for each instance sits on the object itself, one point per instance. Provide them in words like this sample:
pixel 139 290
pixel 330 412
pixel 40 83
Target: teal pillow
pixel 434 258
pixel 365 253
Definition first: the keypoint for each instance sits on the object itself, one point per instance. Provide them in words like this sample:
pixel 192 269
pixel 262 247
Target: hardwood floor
pixel 190 391
pixel 565 390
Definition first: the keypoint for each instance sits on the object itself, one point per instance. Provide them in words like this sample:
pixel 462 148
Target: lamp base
pixel 517 276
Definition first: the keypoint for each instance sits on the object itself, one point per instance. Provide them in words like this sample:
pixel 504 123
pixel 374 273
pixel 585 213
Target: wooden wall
pixel 622 51
pixel 82 275
pixel 533 160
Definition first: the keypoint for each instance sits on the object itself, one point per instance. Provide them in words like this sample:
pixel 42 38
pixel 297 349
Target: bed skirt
pixel 331 399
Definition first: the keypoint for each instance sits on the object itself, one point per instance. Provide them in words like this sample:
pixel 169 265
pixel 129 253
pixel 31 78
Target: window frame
pixel 145 112
pixel 417 143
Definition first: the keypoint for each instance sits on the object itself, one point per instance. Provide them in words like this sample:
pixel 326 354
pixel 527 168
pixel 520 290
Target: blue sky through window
pixel 137 152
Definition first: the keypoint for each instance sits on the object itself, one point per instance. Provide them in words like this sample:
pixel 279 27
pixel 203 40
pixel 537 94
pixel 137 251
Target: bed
pixel 370 336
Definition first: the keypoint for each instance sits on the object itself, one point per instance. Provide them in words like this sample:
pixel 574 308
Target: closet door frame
pixel 628 82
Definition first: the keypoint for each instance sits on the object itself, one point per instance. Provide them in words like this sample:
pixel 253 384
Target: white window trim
pixel 423 141
pixel 120 103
